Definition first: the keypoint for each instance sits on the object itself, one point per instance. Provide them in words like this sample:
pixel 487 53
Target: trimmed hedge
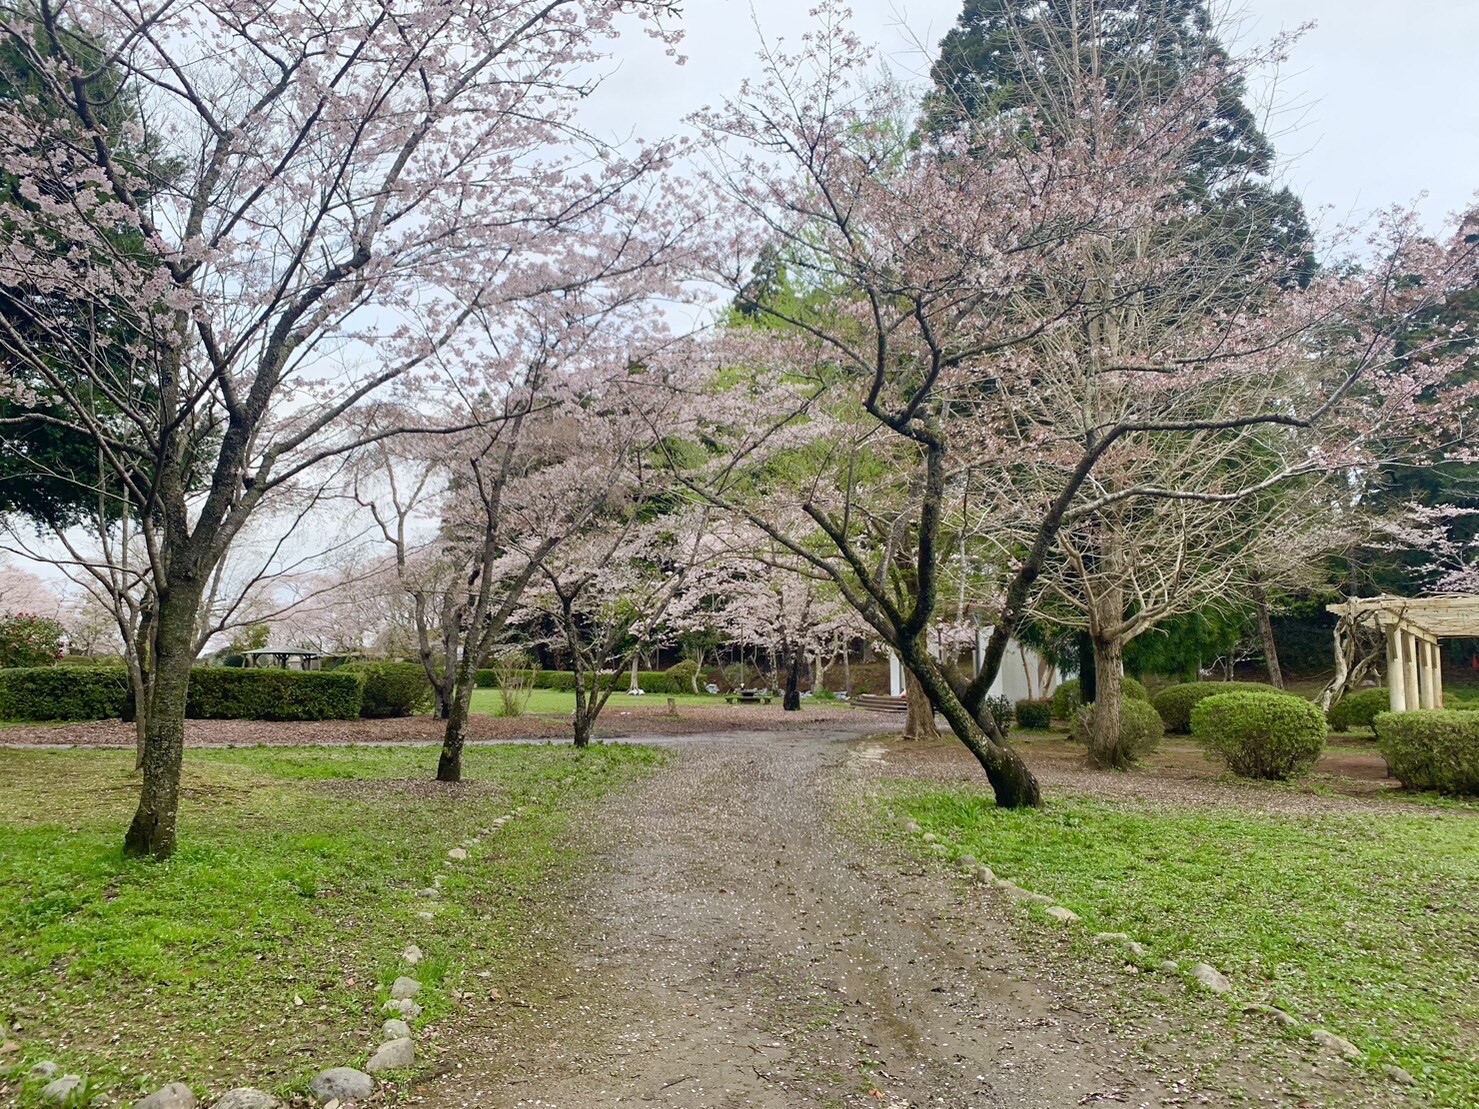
pixel 1068 697
pixel 220 693
pixel 564 681
pixel 1035 714
pixel 63 693
pixel 1267 735
pixel 1176 703
pixel 684 675
pixel 1358 710
pixel 1141 729
pixel 1435 749
pixel 391 688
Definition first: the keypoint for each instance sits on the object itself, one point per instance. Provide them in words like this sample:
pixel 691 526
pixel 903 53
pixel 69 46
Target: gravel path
pixel 733 950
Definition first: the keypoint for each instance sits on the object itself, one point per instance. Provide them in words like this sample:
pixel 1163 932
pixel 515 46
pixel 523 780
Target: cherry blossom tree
pixel 961 351
pixel 332 196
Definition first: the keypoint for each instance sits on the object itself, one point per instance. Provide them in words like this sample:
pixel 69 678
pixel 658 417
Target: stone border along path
pixel 1205 975
pixel 337 1086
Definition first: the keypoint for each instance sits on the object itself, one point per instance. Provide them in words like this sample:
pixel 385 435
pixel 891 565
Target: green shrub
pixel 1036 715
pixel 1135 690
pixel 1176 703
pixel 1263 734
pixel 1437 749
pixel 391 688
pixel 1358 710
pixel 1141 730
pixel 683 675
pixel 1067 700
pixel 28 640
pixel 218 693
pixel 64 693
pixel 1001 711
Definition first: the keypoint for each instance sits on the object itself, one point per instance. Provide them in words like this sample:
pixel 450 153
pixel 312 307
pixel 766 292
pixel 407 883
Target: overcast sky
pixel 1380 94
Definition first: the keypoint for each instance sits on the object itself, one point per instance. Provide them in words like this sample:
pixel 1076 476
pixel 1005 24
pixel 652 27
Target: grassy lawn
pixel 1365 924
pixel 262 952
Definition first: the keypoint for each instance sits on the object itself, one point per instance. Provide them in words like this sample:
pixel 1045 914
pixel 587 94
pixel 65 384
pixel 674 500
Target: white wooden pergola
pixel 1413 627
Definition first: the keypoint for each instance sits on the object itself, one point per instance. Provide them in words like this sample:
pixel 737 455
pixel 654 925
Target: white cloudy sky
pixel 1380 95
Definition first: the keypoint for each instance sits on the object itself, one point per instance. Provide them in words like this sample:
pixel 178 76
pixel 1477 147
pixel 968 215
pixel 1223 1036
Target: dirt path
pixel 734 951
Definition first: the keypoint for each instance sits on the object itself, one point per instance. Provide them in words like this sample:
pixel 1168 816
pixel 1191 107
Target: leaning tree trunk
pixel 919 717
pixel 1266 633
pixel 791 702
pixel 1105 749
pixel 152 833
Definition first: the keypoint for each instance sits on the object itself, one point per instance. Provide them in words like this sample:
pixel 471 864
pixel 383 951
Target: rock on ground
pixel 392 1056
pixel 1331 1042
pixel 176 1095
pixel 412 955
pixel 457 854
pixel 1211 978
pixel 60 1089
pixel 43 1071
pixel 403 988
pixel 408 1010
pixel 394 1030
pixel 1060 914
pixel 342 1084
pixel 245 1097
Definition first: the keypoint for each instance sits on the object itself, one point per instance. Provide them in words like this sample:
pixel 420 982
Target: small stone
pixel 457 854
pixel 426 915
pixel 43 1071
pixel 940 849
pixel 912 828
pixel 176 1095
pixel 1170 966
pixel 247 1098
pixel 1061 915
pixel 967 861
pixel 394 1030
pixel 930 837
pixel 985 873
pixel 1136 950
pixel 403 988
pixel 60 1089
pixel 1112 937
pixel 342 1084
pixel 412 955
pixel 1331 1042
pixel 1399 1076
pixel 1005 884
pixel 1211 978
pixel 392 1055
pixel 430 893
pixel 408 1010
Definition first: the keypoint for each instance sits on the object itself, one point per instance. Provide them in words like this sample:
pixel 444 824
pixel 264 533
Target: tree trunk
pixel 449 765
pixel 1087 669
pixel 847 670
pixel 919 718
pixel 1266 633
pixel 792 700
pixel 1109 679
pixel 152 833
pixel 1011 781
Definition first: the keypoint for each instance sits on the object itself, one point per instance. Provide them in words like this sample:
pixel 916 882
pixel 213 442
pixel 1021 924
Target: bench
pixel 877 702
pixel 749 697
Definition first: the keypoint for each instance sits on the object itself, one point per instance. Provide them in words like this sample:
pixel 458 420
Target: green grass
pixel 555 702
pixel 262 951
pixel 1366 924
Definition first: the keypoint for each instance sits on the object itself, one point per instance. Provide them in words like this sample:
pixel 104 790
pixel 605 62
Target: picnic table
pixel 750 697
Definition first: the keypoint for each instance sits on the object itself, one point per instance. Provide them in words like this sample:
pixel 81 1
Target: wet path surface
pixel 733 949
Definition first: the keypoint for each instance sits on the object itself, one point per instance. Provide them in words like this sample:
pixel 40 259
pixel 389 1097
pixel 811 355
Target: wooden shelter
pixel 1413 628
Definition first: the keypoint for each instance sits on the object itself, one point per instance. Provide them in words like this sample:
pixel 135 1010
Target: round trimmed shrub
pixel 1176 703
pixel 683 675
pixel 1141 730
pixel 1437 749
pixel 1358 710
pixel 391 688
pixel 1266 735
pixel 1036 715
pixel 1135 690
pixel 1067 699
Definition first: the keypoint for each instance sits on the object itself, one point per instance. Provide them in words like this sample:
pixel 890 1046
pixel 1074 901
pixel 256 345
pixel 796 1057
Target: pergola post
pixel 1424 673
pixel 1396 669
pixel 1414 684
pixel 1437 675
pixel 1432 699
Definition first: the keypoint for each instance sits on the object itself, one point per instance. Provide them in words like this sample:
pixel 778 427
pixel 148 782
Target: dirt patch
pixel 615 723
